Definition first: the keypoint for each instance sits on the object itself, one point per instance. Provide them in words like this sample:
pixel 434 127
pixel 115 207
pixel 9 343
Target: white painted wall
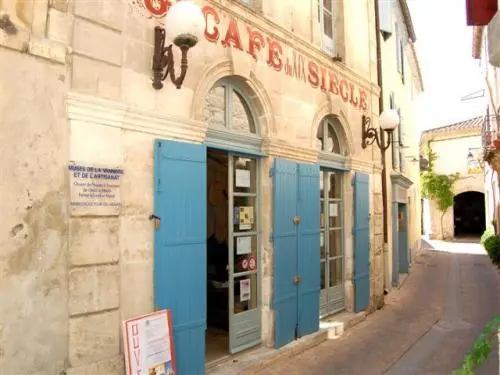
pixel 452 154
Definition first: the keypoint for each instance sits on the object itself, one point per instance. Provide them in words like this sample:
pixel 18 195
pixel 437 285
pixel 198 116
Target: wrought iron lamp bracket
pixel 369 135
pixel 163 61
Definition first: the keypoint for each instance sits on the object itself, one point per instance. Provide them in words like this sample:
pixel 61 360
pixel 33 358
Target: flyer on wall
pixel 148 342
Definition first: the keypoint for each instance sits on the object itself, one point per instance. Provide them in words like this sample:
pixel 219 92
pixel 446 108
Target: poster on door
pixel 148 344
pixel 246 217
pixel 245 290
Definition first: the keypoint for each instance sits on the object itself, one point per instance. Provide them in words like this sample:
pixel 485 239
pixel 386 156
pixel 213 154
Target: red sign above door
pixel 295 65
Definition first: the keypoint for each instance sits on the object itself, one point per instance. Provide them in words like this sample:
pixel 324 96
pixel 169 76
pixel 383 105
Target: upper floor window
pixel 398 141
pixel 400 53
pixel 326 18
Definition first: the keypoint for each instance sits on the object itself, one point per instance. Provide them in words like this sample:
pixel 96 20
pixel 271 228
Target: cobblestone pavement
pixel 425 328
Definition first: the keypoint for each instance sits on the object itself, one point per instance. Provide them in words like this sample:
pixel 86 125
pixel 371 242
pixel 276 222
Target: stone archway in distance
pixel 469 218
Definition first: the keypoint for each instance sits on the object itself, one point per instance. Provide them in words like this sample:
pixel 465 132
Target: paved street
pixel 426 327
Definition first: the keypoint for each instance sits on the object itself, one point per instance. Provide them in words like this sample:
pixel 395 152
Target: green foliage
pixel 481 348
pixel 438 187
pixel 490 231
pixel 492 246
pixel 491 242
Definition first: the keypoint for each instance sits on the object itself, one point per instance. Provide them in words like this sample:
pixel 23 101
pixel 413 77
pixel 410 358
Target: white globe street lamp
pixel 389 121
pixel 184 26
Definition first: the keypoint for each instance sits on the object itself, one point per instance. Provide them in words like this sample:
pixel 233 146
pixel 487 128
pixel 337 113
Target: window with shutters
pixel 400 52
pixel 400 144
pixel 398 138
pixel 326 20
pixel 395 136
pixel 386 9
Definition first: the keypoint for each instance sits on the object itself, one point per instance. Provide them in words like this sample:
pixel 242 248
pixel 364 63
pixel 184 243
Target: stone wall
pixel 34 221
pixel 81 91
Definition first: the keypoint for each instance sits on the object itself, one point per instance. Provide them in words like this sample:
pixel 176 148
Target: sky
pixel 444 48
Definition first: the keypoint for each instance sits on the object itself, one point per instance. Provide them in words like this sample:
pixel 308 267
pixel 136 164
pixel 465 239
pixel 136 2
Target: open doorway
pixel 469 214
pixel 233 314
pixel 217 333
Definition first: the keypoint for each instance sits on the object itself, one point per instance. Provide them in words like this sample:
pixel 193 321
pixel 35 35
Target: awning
pixel 480 12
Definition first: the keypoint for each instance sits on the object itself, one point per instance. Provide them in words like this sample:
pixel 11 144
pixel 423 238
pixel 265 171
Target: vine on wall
pixel 438 187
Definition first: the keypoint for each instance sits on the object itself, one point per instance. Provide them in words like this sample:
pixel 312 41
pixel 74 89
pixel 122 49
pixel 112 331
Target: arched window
pixel 226 108
pixel 327 138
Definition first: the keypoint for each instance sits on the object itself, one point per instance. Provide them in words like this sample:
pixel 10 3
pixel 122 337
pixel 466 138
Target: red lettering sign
pixel 362 100
pixel 157 8
pixel 334 84
pixel 211 36
pixel 344 91
pixel 354 99
pixel 232 36
pixel 274 54
pixel 256 44
pixel 313 74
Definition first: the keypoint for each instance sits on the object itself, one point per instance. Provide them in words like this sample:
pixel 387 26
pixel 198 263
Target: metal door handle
pixel 296 280
pixel 296 219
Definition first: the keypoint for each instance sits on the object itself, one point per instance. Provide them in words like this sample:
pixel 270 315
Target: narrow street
pixel 426 327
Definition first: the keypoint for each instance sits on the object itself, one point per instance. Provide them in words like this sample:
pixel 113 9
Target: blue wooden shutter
pixel 180 267
pixel 361 241
pixel 309 248
pixel 399 58
pixel 395 243
pixel 385 9
pixel 285 251
pixel 404 264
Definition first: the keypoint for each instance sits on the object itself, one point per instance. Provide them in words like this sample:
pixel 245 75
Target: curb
pixel 296 348
pixel 257 363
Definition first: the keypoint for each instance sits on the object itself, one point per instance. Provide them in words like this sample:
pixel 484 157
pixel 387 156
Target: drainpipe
pixel 382 135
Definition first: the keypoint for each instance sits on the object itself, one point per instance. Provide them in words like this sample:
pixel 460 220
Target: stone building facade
pixel 76 93
pixel 402 84
pixel 486 49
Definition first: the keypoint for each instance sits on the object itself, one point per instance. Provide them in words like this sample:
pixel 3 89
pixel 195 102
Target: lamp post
pixel 388 121
pixel 184 26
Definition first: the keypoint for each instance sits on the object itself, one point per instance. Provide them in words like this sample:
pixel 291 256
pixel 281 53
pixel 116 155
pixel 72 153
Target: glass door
pixel 332 294
pixel 244 291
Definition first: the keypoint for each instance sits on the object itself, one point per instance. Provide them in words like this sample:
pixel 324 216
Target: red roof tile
pixel 475 123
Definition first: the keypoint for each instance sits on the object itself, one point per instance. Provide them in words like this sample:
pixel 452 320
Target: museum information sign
pixel 149 344
pixel 94 189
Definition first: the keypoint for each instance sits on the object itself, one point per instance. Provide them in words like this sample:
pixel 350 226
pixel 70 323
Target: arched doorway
pixel 233 239
pixel 207 249
pixel 469 214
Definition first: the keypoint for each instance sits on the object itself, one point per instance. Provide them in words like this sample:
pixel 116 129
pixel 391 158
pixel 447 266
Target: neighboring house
pixel 402 84
pixel 459 150
pixel 484 16
pixel 241 201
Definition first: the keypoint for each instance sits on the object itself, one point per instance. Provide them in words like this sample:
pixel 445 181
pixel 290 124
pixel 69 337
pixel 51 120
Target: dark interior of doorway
pixel 469 215
pixel 217 334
